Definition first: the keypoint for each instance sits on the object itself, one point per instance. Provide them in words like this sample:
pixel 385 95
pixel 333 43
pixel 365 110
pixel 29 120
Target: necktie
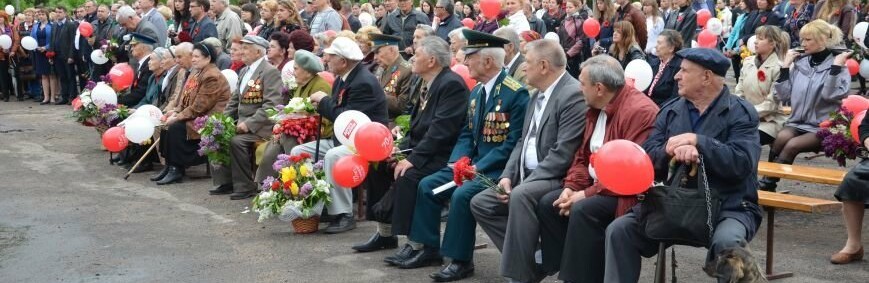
pixel 481 115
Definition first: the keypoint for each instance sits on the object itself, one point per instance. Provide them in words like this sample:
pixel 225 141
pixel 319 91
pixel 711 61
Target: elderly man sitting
pixel 706 121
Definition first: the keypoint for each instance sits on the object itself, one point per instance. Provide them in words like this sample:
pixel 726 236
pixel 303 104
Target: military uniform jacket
pixel 395 81
pixel 494 126
pixel 251 98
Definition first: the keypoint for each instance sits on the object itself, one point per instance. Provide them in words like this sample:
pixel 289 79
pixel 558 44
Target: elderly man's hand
pixel 317 96
pixel 241 128
pixel 680 140
pixel 686 154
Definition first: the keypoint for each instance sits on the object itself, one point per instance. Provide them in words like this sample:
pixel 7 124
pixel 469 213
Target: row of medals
pixel 495 126
pixel 253 93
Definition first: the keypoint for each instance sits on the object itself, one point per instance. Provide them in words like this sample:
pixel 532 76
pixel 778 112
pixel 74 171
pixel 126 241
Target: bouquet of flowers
pixel 109 47
pixel 299 192
pixel 403 123
pixel 111 114
pixel 216 131
pixel 289 84
pixel 50 55
pixel 297 119
pixel 836 137
pixel 84 110
pixel 464 171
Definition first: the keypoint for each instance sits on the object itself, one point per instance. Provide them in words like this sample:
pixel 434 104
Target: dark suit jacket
pixel 433 130
pixel 559 133
pixel 666 87
pixel 139 87
pixel 203 29
pixel 637 19
pixel 361 91
pixel 684 21
pixel 757 19
pixel 62 40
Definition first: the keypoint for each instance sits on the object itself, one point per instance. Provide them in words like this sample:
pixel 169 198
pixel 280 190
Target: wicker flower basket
pixel 101 129
pixel 306 226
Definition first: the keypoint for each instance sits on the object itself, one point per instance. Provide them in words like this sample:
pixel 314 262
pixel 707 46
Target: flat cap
pixel 710 59
pixel 380 40
pixel 212 42
pixel 308 61
pixel 479 40
pixel 136 38
pixel 346 48
pixel 255 40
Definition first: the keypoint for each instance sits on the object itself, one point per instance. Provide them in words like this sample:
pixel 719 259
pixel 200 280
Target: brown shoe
pixel 845 258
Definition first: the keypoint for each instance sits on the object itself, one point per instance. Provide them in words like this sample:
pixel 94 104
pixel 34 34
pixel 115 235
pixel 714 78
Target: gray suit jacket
pixel 159 24
pixel 559 134
pixel 261 92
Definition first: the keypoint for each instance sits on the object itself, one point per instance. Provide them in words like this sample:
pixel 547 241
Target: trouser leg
pixel 523 230
pixel 491 214
pixel 584 247
pixel 625 244
pixel 553 228
pixel 425 228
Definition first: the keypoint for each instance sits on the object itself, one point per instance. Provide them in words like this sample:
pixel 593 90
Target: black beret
pixel 710 59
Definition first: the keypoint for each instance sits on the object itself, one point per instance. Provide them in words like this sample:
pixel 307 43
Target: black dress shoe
pixel 174 175
pixel 115 159
pixel 124 163
pixel 221 190
pixel 403 254
pixel 456 270
pixel 343 223
pixel 45 102
pixel 160 175
pixel 144 167
pixel 422 258
pixel 377 242
pixel 242 195
pixel 62 102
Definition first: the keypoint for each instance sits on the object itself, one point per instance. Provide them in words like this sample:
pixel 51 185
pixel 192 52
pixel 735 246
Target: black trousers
pixel 5 80
pixel 134 152
pixel 405 191
pixel 177 149
pixel 575 242
pixel 66 75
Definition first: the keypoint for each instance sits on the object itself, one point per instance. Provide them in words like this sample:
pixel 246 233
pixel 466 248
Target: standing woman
pixel 267 11
pixel 666 65
pixel 625 47
pixel 801 15
pixel 426 8
pixel 287 19
pixel 516 15
pixel 759 72
pixel 839 13
pixel 814 86
pixel 468 11
pixel 737 40
pixel 205 92
pixel 605 13
pixel 683 19
pixel 42 33
pixel 575 43
pixel 654 24
pixel 766 15
pixel 553 15
pixel 6 55
pixel 250 16
pixel 854 194
pixel 181 15
pixel 24 60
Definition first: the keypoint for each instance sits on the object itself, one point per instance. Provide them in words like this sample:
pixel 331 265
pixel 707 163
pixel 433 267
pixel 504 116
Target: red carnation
pixel 463 171
pixel 184 36
pixel 763 20
pixel 679 18
pixel 275 186
pixel 305 155
pixel 761 76
pixel 606 24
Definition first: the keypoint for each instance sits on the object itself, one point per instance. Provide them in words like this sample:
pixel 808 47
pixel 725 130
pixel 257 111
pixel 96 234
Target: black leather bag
pixel 679 215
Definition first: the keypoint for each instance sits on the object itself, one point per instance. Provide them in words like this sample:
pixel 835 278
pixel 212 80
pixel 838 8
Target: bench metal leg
pixel 770 239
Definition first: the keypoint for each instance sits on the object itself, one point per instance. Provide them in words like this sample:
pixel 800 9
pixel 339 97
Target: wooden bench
pixel 801 173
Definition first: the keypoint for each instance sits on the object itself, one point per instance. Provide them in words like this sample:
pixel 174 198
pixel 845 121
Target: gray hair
pixel 184 47
pixel 224 2
pixel 262 50
pixel 509 34
pixel 161 53
pixel 448 6
pixel 427 29
pixel 549 50
pixel 125 12
pixel 606 70
pixel 437 48
pixel 457 34
pixel 148 47
pixel 497 54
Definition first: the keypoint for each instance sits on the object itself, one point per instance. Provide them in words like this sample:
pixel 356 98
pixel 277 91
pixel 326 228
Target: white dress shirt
pixel 597 139
pixel 489 87
pixel 530 145
pixel 247 75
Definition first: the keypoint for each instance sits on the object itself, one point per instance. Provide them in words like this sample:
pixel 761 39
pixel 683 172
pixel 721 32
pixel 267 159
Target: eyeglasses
pixel 194 6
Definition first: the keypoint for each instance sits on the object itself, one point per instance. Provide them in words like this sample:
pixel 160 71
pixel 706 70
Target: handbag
pixel 679 215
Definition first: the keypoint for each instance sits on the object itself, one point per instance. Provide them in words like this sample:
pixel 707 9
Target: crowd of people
pixel 547 98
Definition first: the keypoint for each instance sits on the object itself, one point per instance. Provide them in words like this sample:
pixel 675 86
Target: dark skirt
pixel 177 149
pixel 855 186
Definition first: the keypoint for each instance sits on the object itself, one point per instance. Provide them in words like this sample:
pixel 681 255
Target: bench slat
pixel 801 173
pixel 798 203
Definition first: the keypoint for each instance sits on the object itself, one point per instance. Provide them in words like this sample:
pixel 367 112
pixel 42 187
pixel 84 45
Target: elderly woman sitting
pixel 457 42
pixel 706 125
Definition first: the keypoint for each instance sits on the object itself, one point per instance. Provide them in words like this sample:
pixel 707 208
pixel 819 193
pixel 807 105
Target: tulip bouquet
pixel 299 192
pixel 297 119
pixel 836 138
pixel 216 131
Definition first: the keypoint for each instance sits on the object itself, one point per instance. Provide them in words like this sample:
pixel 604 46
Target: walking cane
pixel 153 145
pixel 317 145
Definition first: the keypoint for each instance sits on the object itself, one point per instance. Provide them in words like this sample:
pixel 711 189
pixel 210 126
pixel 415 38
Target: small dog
pixel 735 265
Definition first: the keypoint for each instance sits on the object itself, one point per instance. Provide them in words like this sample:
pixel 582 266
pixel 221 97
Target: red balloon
pixel 76 104
pixel 591 27
pixel 468 23
pixel 617 157
pixel 490 8
pixel 329 77
pixel 855 103
pixel 855 126
pixel 853 66
pixel 85 29
pixel 373 141
pixel 463 71
pixel 350 171
pixel 121 76
pixel 114 139
pixel 702 17
pixel 707 39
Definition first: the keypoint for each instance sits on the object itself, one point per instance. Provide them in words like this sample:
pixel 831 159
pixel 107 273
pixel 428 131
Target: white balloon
pixel 347 124
pixel 10 10
pixel 149 111
pixel 98 57
pixel 232 78
pixel 103 95
pixel 750 44
pixel 138 129
pixel 5 41
pixel 641 72
pixel 29 43
pixel 859 32
pixel 551 35
pixel 714 25
pixel 366 19
pixel 864 68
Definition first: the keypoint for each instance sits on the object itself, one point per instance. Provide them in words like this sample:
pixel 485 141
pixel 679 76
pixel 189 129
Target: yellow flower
pixel 288 174
pixel 303 170
pixel 294 189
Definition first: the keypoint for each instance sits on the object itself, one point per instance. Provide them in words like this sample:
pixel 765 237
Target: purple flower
pixel 318 165
pixel 90 85
pixel 306 190
pixel 201 152
pixel 267 183
pixel 280 107
pixel 199 123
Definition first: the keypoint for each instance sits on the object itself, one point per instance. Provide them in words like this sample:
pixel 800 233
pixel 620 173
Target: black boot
pixel 174 175
pixel 162 173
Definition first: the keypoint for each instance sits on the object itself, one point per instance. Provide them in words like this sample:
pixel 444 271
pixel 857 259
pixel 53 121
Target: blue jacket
pixel 491 133
pixel 33 33
pixel 727 138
